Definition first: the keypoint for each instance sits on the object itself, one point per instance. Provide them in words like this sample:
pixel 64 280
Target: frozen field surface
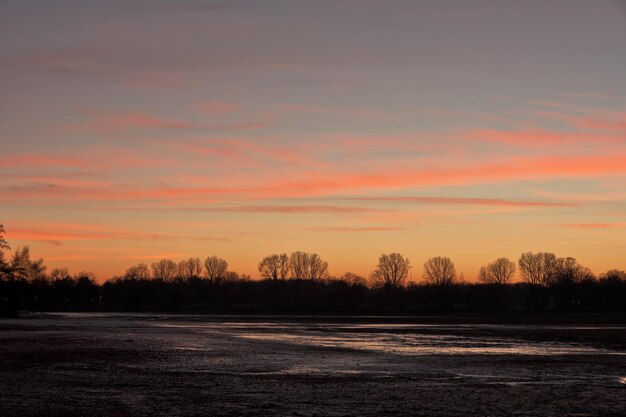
pixel 154 364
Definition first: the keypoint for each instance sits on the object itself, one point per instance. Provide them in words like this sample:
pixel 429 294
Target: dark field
pixel 122 365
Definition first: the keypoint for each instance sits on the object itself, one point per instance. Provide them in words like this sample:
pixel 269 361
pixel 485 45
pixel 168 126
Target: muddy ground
pixel 128 365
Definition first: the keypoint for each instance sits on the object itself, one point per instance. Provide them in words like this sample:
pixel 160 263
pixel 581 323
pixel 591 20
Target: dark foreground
pixel 123 365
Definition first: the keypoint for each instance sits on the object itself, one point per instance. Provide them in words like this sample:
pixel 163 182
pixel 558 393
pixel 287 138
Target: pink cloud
pixel 568 107
pixel 113 123
pixel 327 182
pixel 35 160
pixel 109 123
pixel 543 138
pixel 617 124
pixel 246 153
pixel 287 109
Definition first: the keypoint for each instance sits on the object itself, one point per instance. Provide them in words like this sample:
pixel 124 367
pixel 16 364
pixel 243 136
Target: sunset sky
pixel 132 131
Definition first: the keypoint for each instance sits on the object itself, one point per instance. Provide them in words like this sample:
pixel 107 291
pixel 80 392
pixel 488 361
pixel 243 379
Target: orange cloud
pixel 510 169
pixel 468 201
pixel 57 238
pixel 57 234
pixel 595 225
pixel 288 209
pixel 356 229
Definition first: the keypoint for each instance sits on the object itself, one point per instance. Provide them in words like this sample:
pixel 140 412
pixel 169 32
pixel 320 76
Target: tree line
pixel 300 281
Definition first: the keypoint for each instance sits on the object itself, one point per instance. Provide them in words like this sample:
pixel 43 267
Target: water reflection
pixel 419 344
pixel 396 339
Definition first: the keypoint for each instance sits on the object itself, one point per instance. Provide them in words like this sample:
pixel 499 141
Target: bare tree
pixel 305 265
pixel 318 268
pixel 3 243
pixel 274 266
pixel 139 271
pixel 538 268
pixel 190 268
pixel 59 274
pixel 499 271
pixel 164 269
pixel 298 262
pixel 215 268
pixel 391 271
pixel 23 267
pixel 439 271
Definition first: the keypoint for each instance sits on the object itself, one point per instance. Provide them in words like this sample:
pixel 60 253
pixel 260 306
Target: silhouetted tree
pixel 164 269
pixel 139 271
pixel 318 268
pixel 568 271
pixel 22 267
pixel 229 277
pixel 58 274
pixel 298 264
pixel 305 265
pixel 3 243
pixel 538 268
pixel 391 271
pixel 4 267
pixel 499 271
pixel 215 269
pixel 274 267
pixel 190 268
pixel 439 271
pixel 353 279
pixel 565 286
pixel 614 275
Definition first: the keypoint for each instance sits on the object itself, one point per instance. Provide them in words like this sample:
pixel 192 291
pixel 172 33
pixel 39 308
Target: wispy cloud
pixel 310 183
pixel 58 234
pixel 543 138
pixel 109 123
pixel 286 209
pixel 38 160
pixel 599 196
pixel 356 229
pixel 595 225
pixel 217 107
pixel 290 109
pixel 461 201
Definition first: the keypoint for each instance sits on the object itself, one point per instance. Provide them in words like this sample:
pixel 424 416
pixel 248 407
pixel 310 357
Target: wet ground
pixel 125 364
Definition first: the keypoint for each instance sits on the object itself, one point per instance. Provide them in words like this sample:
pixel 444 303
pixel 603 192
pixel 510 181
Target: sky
pixel 132 131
